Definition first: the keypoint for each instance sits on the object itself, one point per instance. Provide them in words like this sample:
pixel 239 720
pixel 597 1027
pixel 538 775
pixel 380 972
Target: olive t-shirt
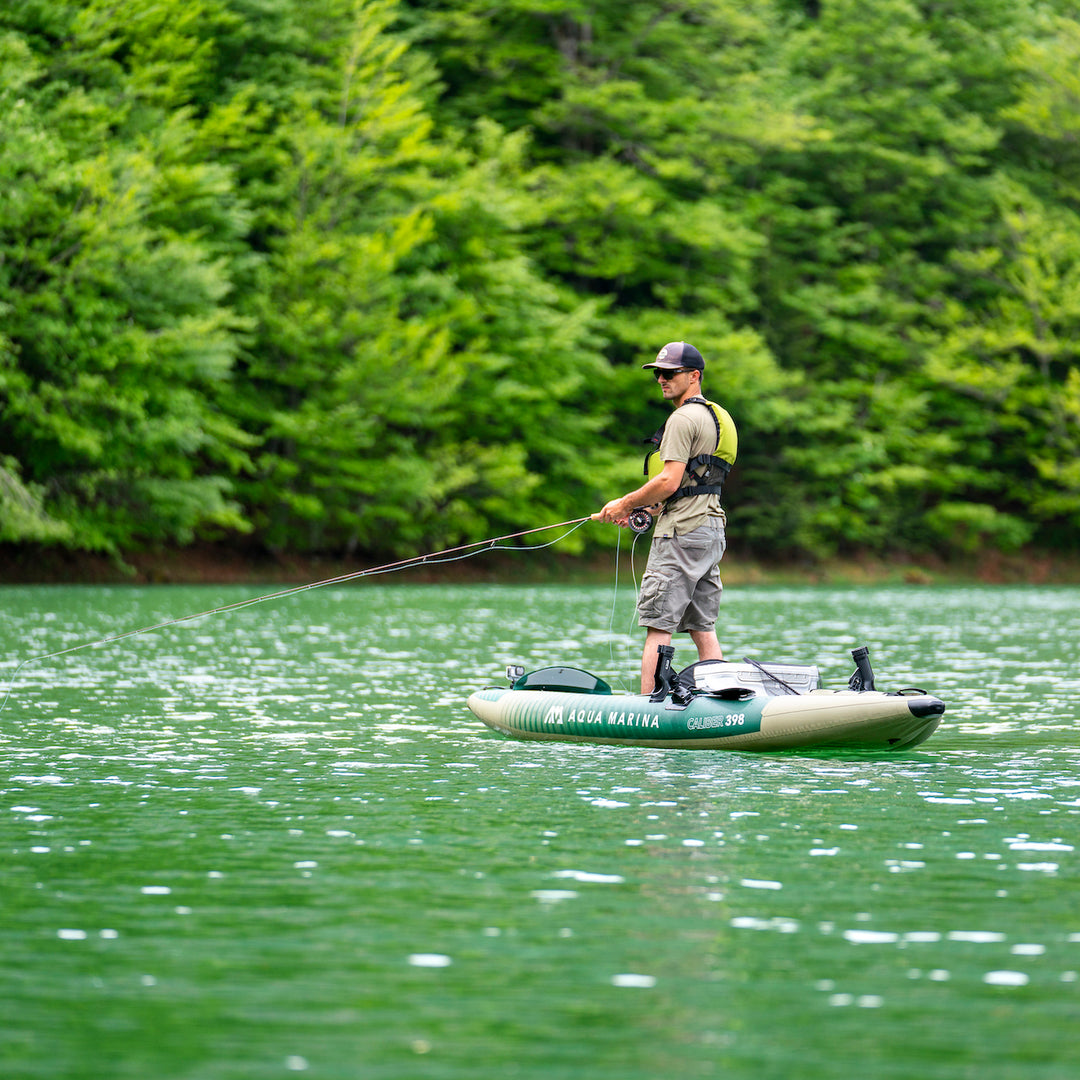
pixel 689 431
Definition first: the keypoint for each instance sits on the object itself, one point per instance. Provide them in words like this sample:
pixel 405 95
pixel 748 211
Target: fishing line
pixel 434 558
pixel 614 599
pixel 488 545
pixel 637 592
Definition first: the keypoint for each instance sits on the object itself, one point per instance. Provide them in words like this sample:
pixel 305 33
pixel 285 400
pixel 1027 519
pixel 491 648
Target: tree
pixel 1043 123
pixel 1013 364
pixel 118 328
pixel 860 225
pixel 409 370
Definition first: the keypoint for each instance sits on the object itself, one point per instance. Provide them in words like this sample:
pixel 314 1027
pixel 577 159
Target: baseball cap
pixel 678 354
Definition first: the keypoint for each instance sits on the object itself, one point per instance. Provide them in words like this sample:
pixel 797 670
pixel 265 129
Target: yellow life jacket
pixel 705 473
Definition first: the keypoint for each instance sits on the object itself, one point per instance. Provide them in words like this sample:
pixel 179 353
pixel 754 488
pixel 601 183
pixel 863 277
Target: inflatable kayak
pixel 712 705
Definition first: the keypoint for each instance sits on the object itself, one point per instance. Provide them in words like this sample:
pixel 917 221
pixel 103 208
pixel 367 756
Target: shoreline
pixel 210 564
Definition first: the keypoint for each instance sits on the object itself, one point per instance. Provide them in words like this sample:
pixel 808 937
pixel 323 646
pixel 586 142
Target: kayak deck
pixel 569 705
pixel 870 721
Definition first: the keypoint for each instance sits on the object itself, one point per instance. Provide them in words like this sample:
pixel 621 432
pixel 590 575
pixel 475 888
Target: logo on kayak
pixel 613 718
pixel 554 715
pixel 703 723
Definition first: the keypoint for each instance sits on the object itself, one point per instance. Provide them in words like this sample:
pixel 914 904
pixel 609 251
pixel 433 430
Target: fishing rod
pixel 453 554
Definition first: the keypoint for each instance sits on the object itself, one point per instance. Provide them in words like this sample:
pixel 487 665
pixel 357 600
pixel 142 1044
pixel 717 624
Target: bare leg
pixel 708 647
pixel 653 640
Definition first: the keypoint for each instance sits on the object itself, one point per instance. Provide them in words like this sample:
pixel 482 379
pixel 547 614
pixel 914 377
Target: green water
pixel 274 842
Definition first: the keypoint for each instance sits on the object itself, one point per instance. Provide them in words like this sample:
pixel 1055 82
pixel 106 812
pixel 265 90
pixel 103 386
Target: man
pixel 681 587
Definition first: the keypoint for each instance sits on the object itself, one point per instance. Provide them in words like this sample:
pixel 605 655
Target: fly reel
pixel 640 520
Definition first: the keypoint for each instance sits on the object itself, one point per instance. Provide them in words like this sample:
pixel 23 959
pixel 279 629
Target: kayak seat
pixel 569 679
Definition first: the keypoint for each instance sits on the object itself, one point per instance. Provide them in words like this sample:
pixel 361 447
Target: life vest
pixel 705 473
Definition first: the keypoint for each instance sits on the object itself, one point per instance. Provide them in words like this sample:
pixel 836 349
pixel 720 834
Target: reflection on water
pixel 274 841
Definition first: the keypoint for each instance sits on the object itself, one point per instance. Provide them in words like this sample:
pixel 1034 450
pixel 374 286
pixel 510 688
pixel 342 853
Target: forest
pixel 377 277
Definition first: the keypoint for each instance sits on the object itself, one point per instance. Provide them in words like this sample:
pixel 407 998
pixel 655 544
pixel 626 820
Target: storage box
pixel 775 680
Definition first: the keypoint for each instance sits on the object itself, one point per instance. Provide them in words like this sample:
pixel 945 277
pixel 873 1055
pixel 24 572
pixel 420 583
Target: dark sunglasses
pixel 670 373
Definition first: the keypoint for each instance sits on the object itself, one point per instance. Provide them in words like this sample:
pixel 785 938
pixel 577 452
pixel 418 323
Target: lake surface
pixel 273 842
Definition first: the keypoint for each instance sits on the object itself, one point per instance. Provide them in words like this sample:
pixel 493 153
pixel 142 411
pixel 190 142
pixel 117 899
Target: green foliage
pixel 23 517
pixel 378 276
pixel 400 325
pixel 1015 360
pixel 1045 118
pixel 973 527
pixel 119 327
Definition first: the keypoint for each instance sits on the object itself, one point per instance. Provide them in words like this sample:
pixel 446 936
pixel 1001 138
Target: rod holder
pixel 863 677
pixel 664 675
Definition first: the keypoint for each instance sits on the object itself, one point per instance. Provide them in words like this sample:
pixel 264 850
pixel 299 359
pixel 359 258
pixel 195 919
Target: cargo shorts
pixel 681 587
